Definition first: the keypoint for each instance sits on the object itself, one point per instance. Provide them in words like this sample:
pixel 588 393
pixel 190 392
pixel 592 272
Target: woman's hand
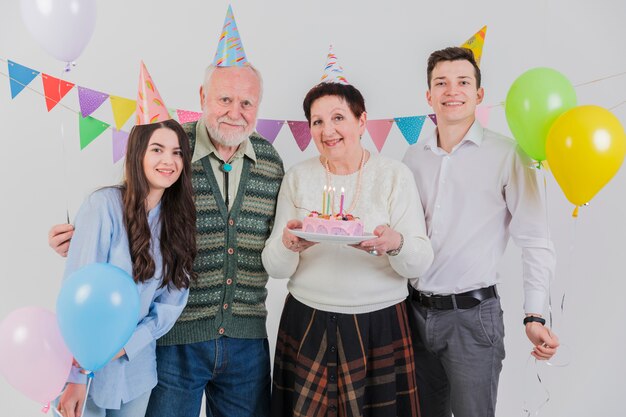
pixel 72 399
pixel 293 242
pixel 387 239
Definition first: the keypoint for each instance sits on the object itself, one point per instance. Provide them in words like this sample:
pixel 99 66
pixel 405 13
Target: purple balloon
pixel 33 355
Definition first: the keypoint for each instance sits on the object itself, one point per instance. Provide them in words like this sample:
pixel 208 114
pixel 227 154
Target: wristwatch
pixel 534 319
pixel 397 250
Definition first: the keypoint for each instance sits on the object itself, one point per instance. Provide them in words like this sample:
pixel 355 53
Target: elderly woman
pixel 343 343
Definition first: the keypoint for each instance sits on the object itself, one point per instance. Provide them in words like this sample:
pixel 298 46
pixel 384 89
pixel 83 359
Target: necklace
pixel 357 194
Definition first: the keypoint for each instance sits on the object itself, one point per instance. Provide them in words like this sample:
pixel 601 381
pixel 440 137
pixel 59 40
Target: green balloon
pixel 534 101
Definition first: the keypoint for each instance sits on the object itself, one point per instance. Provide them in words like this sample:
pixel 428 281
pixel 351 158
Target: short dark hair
pixel 453 53
pixel 347 92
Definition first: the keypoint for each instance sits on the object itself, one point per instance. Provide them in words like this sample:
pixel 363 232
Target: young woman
pixel 145 226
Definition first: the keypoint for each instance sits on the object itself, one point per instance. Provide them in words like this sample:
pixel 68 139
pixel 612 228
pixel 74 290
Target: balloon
pixel 33 357
pixel 98 311
pixel 62 27
pixel 534 101
pixel 585 148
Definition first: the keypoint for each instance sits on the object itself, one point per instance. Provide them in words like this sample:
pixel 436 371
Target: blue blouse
pixel 100 236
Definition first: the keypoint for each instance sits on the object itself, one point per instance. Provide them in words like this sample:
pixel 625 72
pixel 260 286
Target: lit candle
pixel 324 200
pixel 341 201
pixel 332 203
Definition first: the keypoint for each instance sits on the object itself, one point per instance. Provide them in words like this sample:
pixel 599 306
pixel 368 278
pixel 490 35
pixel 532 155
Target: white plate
pixel 323 238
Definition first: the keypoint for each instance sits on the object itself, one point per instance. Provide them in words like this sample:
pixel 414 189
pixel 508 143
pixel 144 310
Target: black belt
pixel 464 300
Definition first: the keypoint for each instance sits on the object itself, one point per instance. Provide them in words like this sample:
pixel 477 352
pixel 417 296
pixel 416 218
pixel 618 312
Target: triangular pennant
pixel 475 43
pixel 186 116
pixel 269 128
pixel 301 133
pixel 20 76
pixel 90 100
pixel 411 127
pixel 230 52
pixel 482 114
pixel 54 89
pixel 379 130
pixel 89 129
pixel 123 108
pixel 120 140
pixel 433 118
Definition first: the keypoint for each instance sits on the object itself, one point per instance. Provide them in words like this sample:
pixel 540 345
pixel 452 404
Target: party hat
pixel 475 43
pixel 150 107
pixel 333 72
pixel 230 51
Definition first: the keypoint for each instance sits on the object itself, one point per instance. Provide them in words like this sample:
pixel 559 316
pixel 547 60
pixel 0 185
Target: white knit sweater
pixel 340 278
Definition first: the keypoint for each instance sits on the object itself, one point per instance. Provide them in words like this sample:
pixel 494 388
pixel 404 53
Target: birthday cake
pixel 345 225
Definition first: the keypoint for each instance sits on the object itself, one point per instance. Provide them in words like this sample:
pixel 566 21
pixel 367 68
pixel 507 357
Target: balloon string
pixel 65 159
pixel 89 379
pixel 528 412
pixel 575 212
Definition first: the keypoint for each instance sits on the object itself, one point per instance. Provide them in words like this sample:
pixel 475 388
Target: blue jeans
pixel 233 373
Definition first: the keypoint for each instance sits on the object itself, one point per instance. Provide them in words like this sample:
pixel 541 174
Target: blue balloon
pixel 97 311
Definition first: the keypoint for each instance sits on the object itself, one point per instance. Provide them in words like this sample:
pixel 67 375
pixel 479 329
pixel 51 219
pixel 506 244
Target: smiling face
pixel 454 93
pixel 230 102
pixel 162 162
pixel 336 130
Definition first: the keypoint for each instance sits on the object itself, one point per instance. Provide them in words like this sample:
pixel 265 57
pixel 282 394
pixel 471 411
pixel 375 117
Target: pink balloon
pixel 33 355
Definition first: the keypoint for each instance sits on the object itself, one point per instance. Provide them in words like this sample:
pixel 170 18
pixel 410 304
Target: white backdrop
pixel 383 48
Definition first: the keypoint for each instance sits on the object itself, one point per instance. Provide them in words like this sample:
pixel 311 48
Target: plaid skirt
pixel 349 365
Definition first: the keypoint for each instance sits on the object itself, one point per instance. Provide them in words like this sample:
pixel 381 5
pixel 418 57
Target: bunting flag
pixel 89 129
pixel 120 140
pixel 411 127
pixel 54 89
pixel 173 114
pixel 230 52
pixel 301 133
pixel 123 108
pixel 379 130
pixel 475 43
pixel 482 114
pixel 90 100
pixel 269 128
pixel 19 77
pixel 186 116
pixel 433 118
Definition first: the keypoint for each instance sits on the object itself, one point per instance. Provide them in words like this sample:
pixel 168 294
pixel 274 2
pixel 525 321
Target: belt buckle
pixel 423 295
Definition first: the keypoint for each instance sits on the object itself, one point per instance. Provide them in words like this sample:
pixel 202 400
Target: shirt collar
pixel 474 134
pixel 204 146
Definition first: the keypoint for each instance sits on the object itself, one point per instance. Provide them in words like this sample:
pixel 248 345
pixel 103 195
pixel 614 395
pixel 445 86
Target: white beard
pixel 230 140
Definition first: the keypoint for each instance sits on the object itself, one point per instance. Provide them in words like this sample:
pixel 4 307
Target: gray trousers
pixel 458 358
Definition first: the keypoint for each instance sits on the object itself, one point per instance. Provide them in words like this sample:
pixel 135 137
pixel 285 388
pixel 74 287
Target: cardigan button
pixel 225 306
pixel 229 281
pixel 231 222
pixel 221 330
pixel 231 251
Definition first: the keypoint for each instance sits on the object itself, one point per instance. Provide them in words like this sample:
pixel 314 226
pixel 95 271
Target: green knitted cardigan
pixel 228 298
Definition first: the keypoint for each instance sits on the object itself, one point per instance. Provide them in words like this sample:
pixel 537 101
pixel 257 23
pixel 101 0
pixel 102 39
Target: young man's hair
pixel 453 53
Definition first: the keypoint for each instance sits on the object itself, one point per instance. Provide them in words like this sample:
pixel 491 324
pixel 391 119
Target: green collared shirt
pixel 205 147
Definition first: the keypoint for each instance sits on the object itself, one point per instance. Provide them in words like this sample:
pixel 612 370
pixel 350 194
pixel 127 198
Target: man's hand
pixel 59 238
pixel 545 342
pixel 72 399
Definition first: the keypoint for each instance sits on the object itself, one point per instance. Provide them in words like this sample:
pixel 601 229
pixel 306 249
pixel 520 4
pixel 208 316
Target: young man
pixel 219 344
pixel 477 189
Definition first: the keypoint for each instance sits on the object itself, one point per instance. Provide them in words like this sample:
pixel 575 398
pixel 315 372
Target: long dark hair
pixel 178 212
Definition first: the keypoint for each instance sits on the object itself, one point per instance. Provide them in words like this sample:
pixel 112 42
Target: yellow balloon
pixel 585 148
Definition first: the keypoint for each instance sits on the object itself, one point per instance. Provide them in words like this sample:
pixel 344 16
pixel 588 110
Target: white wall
pixel 383 47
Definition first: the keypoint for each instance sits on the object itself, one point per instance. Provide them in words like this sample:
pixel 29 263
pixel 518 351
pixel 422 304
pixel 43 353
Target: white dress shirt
pixel 485 190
